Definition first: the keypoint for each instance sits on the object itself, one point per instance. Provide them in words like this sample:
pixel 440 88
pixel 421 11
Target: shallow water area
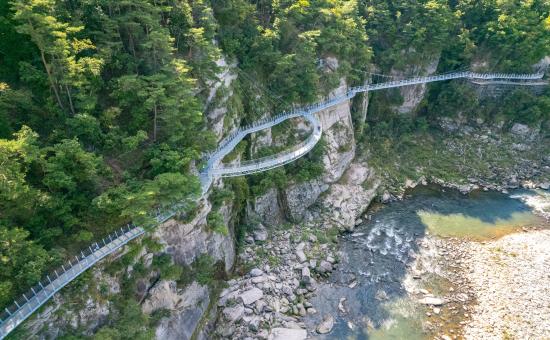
pixel 379 255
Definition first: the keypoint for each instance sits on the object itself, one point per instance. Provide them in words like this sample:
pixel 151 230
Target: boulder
pixel 324 267
pixel 520 129
pixel 434 301
pixel 251 296
pixel 306 275
pixel 325 326
pixel 233 314
pixel 256 272
pixel 301 256
pixel 287 334
pixel 260 234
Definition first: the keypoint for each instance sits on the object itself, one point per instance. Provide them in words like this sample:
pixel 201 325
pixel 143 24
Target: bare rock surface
pixel 187 307
pixel 187 241
pixel 349 198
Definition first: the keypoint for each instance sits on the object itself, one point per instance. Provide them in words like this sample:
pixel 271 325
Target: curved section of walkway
pixel 28 303
pixel 277 160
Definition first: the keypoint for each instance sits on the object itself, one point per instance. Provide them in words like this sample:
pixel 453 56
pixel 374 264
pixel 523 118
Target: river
pixel 369 294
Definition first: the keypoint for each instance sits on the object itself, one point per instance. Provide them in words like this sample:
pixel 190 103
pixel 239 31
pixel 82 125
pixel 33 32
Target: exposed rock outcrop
pixel 217 100
pixel 413 95
pixel 301 196
pixel 186 241
pixel 267 208
pixel 348 199
pixel 187 306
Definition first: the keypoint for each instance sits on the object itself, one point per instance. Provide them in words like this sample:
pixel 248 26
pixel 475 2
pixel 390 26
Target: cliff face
pixel 185 242
pixel 413 95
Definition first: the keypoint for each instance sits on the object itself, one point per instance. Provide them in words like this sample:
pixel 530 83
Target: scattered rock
pixel 256 272
pixel 434 301
pixel 341 307
pixel 251 296
pixel 301 256
pixel 306 275
pixel 311 310
pixel 260 234
pixel 233 314
pixel 324 267
pixel 326 324
pixel 254 324
pixel 258 279
pixel 287 334
pixel 520 129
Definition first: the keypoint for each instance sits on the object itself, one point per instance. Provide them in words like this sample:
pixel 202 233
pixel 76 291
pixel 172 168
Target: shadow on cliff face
pixel 380 251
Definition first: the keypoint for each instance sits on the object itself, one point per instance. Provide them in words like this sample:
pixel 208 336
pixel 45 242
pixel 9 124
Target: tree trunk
pixel 51 80
pixel 70 100
pixel 155 123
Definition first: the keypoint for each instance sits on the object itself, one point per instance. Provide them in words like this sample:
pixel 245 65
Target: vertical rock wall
pixel 413 95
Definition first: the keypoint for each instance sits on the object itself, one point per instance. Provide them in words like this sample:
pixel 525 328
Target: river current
pixel 367 295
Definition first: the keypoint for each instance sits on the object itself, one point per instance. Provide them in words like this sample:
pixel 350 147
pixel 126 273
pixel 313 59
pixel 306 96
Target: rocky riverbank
pixel 283 266
pixel 483 290
pixel 463 154
pixel 289 269
pixel 509 278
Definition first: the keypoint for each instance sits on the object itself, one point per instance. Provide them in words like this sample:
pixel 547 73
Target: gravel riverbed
pixel 510 278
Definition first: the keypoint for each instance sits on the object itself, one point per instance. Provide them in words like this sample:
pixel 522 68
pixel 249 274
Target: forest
pixel 103 102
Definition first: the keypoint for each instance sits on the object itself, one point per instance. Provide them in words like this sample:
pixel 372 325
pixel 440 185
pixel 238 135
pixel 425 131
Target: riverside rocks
pixel 270 302
pixel 256 272
pixel 324 267
pixel 494 289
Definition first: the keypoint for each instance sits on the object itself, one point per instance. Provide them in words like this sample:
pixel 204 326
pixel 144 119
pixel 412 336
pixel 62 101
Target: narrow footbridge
pixel 39 294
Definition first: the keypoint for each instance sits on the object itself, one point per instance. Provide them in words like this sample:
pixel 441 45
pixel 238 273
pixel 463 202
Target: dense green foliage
pixel 102 102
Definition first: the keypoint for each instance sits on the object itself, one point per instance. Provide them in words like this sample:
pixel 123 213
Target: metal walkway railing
pixel 29 302
pixel 215 168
